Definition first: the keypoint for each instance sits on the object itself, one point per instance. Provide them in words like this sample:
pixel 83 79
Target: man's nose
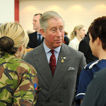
pixel 58 33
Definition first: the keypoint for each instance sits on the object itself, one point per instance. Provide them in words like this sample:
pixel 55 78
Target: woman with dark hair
pixel 97 34
pixel 66 39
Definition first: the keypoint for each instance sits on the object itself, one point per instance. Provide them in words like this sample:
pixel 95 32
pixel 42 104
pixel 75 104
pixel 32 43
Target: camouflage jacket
pixel 18 82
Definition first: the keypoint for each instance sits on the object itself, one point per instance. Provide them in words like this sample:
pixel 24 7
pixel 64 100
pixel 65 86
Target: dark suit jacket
pixel 85 48
pixel 60 89
pixel 33 42
pixel 66 40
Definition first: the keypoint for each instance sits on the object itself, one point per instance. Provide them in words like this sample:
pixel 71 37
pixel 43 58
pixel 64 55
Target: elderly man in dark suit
pixel 35 38
pixel 57 64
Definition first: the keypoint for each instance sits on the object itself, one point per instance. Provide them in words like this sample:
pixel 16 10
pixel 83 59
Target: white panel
pixel 73 12
pixel 6 10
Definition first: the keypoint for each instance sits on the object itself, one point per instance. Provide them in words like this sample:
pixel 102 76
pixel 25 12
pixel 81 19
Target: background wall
pixel 73 11
pixel 6 10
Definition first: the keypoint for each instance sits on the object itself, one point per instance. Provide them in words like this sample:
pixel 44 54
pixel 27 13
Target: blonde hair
pixel 13 31
pixel 74 33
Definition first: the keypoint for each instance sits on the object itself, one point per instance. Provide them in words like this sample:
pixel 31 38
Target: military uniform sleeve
pixel 25 94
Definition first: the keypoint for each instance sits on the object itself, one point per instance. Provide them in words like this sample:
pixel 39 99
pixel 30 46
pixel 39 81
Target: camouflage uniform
pixel 17 81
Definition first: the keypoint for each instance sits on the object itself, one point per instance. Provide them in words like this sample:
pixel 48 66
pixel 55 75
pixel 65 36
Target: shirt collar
pixel 48 49
pixel 38 33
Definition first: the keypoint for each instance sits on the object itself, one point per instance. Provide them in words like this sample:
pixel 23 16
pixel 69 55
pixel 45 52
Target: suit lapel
pixel 42 66
pixel 60 71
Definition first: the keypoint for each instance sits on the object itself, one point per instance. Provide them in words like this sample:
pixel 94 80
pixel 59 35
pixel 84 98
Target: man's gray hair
pixel 46 16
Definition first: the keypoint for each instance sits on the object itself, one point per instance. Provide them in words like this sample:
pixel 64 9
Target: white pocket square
pixel 71 68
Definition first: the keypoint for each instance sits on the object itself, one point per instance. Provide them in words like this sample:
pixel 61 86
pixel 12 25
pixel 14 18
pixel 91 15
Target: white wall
pixel 6 11
pixel 73 11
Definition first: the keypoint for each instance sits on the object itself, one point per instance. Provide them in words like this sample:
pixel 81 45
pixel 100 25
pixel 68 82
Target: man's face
pixel 54 35
pixel 36 24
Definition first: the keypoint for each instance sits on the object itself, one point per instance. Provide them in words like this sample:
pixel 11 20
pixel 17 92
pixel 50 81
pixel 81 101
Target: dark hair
pixel 98 29
pixel 6 45
pixel 65 33
pixel 38 14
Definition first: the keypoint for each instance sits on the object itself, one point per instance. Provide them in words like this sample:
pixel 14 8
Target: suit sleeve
pixel 82 63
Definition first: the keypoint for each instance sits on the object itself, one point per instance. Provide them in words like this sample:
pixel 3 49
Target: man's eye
pixel 61 29
pixel 53 30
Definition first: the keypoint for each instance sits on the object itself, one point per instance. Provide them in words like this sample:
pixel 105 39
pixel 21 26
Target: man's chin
pixel 58 44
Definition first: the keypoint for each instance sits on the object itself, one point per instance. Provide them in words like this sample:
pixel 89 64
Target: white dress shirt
pixel 74 43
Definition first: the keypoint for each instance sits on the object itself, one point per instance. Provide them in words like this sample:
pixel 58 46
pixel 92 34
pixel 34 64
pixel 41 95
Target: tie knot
pixel 52 51
pixel 39 36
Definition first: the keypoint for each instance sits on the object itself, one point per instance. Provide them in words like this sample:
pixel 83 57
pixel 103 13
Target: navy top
pixel 86 76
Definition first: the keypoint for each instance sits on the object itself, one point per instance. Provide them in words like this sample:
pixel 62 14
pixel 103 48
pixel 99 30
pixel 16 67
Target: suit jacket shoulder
pixel 77 58
pixel 33 40
pixel 70 51
pixel 34 33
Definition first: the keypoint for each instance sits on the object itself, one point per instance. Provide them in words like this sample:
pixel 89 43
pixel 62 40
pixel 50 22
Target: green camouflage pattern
pixel 17 80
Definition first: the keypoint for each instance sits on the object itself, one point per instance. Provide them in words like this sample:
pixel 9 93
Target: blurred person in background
pixel 76 36
pixel 66 39
pixel 35 38
pixel 18 80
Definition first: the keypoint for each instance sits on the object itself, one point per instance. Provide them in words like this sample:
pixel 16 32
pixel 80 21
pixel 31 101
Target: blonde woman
pixel 76 36
pixel 18 80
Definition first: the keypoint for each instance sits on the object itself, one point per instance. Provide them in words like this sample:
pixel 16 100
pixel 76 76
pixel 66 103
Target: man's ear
pixel 42 32
pixel 98 41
